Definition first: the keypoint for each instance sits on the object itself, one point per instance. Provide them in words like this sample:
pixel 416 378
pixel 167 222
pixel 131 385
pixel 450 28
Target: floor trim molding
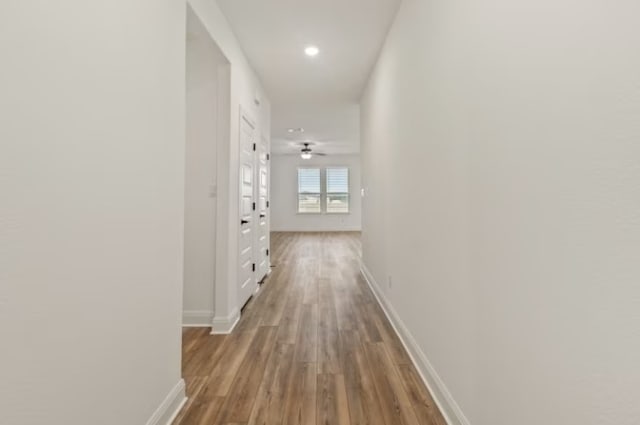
pixel 441 394
pixel 197 318
pixel 170 407
pixel 315 230
pixel 225 324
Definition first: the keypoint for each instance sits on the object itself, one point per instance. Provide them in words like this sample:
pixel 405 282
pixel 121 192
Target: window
pixel 337 190
pixel 323 190
pixel 309 193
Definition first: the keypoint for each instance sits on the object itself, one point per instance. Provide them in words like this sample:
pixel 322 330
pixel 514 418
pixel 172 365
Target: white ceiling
pixel 319 94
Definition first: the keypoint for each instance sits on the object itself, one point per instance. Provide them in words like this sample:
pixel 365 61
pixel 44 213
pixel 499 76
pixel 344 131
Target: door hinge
pixel 254 147
pixel 267 252
pixel 267 204
pixel 268 157
pixel 253 267
pixel 253 206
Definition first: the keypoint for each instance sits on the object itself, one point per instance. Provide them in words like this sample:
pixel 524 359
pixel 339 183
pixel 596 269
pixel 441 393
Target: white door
pixel 247 283
pixel 262 243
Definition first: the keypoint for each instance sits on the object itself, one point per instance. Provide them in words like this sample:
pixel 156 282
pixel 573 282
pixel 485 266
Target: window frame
pixel 323 189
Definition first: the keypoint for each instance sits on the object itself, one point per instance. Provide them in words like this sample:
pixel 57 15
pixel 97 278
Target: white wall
pixel 245 87
pixel 501 160
pixel 203 97
pixel 284 195
pixel 91 210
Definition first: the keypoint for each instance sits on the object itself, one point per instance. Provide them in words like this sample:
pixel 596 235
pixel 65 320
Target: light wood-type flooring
pixel 313 347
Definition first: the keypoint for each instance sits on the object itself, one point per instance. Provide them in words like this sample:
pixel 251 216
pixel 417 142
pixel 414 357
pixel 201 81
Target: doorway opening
pixel 207 130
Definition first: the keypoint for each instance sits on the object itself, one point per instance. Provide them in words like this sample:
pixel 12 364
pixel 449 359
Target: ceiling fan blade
pixel 319 154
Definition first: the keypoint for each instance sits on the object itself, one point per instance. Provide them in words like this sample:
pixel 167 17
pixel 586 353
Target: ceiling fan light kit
pixel 305 153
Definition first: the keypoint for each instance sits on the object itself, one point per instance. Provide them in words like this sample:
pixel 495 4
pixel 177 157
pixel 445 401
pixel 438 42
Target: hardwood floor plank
pixel 200 413
pixel 301 396
pixel 345 313
pixel 364 404
pixel 242 394
pixel 396 406
pixel 290 319
pixel 332 405
pixel 307 339
pixel 191 341
pixel 312 347
pixel 272 302
pixel 329 351
pixel 227 363
pixel 367 327
pixel 311 291
pixel 328 337
pixel 201 360
pixel 426 409
pixel 193 387
pixel 388 335
pixel 269 405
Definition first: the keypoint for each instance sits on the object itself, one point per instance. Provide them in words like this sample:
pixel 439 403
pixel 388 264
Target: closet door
pixel 247 283
pixel 262 244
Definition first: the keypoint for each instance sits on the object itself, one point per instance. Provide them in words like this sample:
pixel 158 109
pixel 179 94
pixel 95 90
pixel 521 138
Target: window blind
pixel 309 192
pixel 308 180
pixel 337 180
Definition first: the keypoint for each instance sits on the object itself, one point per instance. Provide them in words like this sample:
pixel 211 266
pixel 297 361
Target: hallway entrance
pixel 208 85
pixel 312 347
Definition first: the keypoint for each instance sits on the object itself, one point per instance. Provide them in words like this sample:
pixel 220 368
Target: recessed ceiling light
pixel 296 130
pixel 311 51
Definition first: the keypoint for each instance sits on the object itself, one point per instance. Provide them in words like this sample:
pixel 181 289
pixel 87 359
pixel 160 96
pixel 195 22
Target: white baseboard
pixel 197 318
pixel 316 230
pixel 441 395
pixel 225 324
pixel 170 407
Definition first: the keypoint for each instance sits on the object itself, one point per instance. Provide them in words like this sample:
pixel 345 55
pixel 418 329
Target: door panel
pixel 262 254
pixel 247 283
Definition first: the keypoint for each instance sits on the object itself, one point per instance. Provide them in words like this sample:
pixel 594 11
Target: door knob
pixel 243 222
pixel 262 215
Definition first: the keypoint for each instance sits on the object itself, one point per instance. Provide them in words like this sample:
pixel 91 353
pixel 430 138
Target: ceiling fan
pixel 306 153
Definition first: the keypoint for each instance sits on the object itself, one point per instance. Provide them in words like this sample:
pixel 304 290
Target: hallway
pixel 312 347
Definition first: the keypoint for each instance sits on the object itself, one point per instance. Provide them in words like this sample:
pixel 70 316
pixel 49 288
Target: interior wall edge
pixel 443 398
